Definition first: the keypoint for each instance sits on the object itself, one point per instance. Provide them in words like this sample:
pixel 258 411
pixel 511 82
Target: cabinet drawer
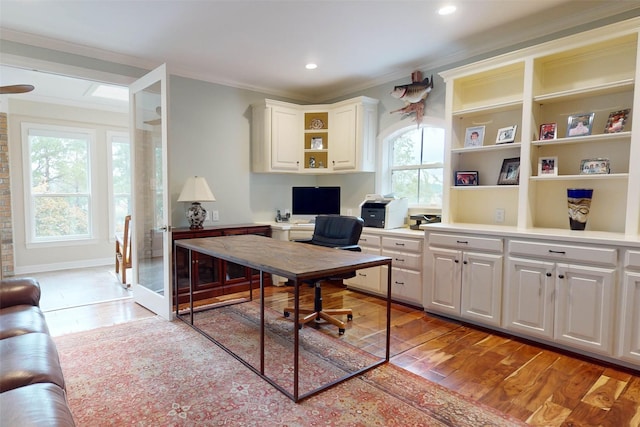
pixel 369 240
pixel 558 252
pixel 406 285
pixel 632 259
pixel 404 260
pixel 465 242
pixel 393 243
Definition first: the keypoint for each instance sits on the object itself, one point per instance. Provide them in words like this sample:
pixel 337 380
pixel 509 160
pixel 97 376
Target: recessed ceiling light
pixel 311 66
pixel 446 10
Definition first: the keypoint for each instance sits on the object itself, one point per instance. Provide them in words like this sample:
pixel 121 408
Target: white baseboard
pixel 42 268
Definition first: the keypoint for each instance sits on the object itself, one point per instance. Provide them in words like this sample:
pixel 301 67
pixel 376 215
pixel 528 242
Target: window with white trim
pixel 57 176
pixel 120 178
pixel 416 165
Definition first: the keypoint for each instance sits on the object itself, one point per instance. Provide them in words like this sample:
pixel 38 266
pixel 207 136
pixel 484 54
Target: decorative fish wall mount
pixel 414 95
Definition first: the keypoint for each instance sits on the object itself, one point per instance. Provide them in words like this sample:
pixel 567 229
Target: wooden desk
pixel 297 262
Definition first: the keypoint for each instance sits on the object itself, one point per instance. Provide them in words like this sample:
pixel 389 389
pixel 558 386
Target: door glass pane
pixel 149 189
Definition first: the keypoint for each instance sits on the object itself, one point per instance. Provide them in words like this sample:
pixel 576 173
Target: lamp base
pixel 196 215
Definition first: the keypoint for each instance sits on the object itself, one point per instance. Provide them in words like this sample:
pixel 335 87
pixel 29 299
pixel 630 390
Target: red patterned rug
pixel 157 373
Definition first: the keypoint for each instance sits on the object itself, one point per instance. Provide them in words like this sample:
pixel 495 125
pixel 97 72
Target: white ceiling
pixel 264 45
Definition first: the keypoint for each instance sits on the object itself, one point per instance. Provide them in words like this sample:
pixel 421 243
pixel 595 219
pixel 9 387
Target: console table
pixel 295 261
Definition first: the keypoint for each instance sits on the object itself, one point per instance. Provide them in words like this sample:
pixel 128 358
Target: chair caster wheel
pixel 340 331
pixel 286 314
pixel 349 316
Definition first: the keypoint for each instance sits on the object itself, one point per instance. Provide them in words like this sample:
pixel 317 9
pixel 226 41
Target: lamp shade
pixel 196 189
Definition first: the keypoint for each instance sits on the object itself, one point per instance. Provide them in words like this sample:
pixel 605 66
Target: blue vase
pixel 579 200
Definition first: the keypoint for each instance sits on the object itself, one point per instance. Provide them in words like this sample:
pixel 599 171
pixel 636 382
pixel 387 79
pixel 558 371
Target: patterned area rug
pixel 152 372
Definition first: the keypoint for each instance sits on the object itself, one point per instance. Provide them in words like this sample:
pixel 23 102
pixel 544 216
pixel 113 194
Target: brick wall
pixel 6 225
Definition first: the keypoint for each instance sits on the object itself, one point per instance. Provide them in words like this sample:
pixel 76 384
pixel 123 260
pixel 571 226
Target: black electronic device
pixel 315 200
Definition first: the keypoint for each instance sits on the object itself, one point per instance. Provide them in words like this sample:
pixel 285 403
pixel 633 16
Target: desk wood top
pixel 293 260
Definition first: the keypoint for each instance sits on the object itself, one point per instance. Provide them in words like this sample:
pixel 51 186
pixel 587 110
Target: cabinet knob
pixel 548 274
pixel 561 276
pixel 456 261
pixel 464 262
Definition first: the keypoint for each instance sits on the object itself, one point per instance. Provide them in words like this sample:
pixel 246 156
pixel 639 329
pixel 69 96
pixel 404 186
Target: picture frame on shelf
pixel 466 178
pixel 548 131
pixel 510 172
pixel 595 166
pixel 580 124
pixel 317 143
pixel 506 134
pixel 474 136
pixel 616 121
pixel 547 166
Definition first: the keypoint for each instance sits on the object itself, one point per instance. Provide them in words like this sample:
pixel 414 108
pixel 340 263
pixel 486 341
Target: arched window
pixel 413 162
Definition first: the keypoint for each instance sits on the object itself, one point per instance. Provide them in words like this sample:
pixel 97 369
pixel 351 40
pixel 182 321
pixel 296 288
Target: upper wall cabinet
pixel 551 86
pixel 314 139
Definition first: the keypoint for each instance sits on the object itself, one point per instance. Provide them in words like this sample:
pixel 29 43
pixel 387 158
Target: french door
pixel 151 205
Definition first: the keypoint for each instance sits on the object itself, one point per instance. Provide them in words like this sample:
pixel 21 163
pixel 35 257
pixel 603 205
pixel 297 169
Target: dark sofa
pixel 32 389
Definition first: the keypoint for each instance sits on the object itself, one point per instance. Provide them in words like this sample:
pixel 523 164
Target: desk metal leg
pixel 388 349
pixel 296 333
pixel 261 322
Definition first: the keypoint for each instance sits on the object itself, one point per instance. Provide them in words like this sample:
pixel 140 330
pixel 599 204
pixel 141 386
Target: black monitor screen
pixel 315 200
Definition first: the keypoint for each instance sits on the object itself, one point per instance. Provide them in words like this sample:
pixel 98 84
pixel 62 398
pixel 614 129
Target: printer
pixel 384 212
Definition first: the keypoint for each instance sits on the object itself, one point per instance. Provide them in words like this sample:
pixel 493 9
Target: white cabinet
pixel 464 277
pixel 406 271
pixel 353 134
pixel 276 136
pixel 368 279
pixel 314 139
pixel 629 313
pixel 550 294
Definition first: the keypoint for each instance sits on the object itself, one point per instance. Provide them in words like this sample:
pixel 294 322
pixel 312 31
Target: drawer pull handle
pixel 399 259
pixel 399 244
pixel 464 242
pixel 362 275
pixel 399 283
pixel 557 252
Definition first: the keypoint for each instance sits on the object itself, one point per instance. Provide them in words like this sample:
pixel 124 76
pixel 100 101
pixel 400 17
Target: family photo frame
pixel 580 124
pixel 547 166
pixel 510 172
pixel 548 131
pixel 595 166
pixel 317 143
pixel 466 178
pixel 506 135
pixel 474 136
pixel 616 121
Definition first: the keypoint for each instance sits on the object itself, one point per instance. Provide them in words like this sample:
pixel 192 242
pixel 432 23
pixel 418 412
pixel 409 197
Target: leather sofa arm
pixel 19 291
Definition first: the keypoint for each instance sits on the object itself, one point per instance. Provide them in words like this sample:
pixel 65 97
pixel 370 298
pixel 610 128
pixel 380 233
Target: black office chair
pixel 333 231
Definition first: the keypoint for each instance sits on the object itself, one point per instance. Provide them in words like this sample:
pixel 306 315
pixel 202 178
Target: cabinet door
pixel 443 288
pixel 629 338
pixel 482 287
pixel 343 149
pixel 529 297
pixel 367 279
pixel 286 134
pixel 584 316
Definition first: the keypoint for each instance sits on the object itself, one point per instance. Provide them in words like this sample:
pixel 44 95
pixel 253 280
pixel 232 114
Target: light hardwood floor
pixel 535 384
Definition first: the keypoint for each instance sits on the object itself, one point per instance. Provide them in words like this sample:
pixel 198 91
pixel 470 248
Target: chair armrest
pixel 19 291
pixel 354 248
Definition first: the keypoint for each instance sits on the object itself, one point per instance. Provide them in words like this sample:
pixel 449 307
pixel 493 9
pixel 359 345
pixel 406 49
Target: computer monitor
pixel 315 200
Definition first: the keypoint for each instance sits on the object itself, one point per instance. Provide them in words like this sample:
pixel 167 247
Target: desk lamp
pixel 196 190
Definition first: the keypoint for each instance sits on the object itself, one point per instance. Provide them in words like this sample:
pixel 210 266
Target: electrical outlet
pixel 499 215
pixel 215 216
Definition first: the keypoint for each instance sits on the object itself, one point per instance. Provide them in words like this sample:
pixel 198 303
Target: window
pixel 120 150
pixel 415 164
pixel 57 182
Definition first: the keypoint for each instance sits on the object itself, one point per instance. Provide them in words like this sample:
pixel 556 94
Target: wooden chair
pixel 123 250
